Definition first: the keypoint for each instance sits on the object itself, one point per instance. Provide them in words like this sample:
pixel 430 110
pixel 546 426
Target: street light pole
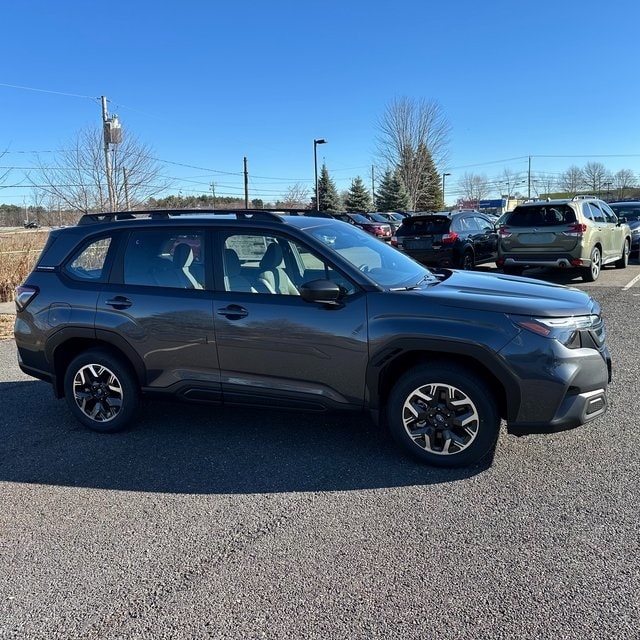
pixel 315 166
pixel 444 175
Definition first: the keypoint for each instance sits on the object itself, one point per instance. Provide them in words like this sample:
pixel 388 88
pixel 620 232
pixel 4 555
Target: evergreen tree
pixel 328 198
pixel 391 196
pixel 358 198
pixel 429 193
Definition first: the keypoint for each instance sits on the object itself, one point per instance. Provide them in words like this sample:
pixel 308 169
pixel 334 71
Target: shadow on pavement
pixel 177 448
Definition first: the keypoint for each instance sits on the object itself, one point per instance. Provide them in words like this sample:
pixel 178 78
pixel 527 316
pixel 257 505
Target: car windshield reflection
pixel 383 264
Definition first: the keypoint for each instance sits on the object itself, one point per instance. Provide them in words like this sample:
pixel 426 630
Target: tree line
pixel 411 158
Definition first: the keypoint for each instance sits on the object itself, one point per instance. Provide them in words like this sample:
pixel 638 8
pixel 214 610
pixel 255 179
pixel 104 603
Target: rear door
pixel 543 229
pixel 152 305
pixel 423 238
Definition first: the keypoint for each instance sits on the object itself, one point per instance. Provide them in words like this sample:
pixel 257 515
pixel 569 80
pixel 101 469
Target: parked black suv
pixel 459 240
pixel 307 313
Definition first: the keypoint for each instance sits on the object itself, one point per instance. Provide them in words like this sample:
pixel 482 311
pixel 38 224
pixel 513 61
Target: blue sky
pixel 205 84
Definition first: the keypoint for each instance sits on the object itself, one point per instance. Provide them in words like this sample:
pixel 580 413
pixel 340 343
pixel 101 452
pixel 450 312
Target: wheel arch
pixel 70 347
pixel 499 380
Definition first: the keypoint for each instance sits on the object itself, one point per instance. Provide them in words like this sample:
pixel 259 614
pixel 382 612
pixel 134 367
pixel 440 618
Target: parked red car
pixel 380 230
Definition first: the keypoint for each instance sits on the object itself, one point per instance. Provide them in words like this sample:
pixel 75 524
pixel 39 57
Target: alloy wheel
pixel 98 392
pixel 440 418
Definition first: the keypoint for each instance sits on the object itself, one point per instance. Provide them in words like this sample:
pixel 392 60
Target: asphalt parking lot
pixel 204 522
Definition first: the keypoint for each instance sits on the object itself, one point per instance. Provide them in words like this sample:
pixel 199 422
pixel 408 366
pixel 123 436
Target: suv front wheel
pixel 624 259
pixel 443 415
pixel 101 391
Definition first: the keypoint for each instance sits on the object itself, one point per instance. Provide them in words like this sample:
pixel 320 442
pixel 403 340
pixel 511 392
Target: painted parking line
pixel 631 283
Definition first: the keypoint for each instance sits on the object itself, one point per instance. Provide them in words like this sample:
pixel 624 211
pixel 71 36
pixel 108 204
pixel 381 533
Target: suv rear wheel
pixel 591 273
pixel 101 391
pixel 443 415
pixel 467 262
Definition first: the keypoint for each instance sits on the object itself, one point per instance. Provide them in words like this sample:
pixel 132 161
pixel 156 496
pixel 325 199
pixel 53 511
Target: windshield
pixel 383 264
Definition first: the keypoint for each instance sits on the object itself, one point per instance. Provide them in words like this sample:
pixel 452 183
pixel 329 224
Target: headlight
pixel 568 330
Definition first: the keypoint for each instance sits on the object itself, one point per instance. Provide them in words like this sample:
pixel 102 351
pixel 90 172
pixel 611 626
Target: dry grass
pixel 18 253
pixel 6 326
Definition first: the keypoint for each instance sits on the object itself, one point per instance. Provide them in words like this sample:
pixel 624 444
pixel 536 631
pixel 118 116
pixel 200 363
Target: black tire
pixel 466 261
pixel 591 273
pixel 624 259
pixel 101 391
pixel 425 410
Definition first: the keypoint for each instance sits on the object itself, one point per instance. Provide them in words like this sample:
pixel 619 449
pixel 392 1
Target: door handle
pixel 233 312
pixel 119 302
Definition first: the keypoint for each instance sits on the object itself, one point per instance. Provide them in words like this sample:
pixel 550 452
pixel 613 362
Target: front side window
pixel 90 262
pixel 165 258
pixel 382 263
pixel 273 264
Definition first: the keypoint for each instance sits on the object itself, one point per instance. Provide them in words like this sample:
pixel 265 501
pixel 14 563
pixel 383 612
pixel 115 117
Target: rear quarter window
pixel 89 263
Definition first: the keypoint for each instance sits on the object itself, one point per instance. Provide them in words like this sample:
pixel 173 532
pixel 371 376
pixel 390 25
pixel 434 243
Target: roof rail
pixel 584 197
pixel 166 214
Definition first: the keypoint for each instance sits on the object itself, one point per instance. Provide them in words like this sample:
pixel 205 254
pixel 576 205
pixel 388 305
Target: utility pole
pixel 107 154
pixel 126 188
pixel 529 181
pixel 373 188
pixel 246 184
pixel 213 191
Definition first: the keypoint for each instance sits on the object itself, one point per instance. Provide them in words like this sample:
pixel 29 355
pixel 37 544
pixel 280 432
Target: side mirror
pixel 320 291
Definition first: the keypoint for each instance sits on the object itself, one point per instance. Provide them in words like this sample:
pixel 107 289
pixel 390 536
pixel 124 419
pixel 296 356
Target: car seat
pixel 182 259
pixel 233 279
pixel 272 275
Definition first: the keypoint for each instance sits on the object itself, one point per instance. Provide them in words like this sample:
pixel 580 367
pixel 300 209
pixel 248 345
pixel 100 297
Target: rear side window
pixel 90 262
pixel 541 216
pixel 165 259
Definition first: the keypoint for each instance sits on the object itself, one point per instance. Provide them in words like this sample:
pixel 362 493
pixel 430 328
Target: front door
pixel 275 348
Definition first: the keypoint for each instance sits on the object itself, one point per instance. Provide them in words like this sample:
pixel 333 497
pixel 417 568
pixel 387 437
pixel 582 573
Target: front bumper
pixel 560 388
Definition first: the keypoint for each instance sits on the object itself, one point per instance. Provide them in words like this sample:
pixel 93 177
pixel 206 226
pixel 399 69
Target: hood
pixel 510 294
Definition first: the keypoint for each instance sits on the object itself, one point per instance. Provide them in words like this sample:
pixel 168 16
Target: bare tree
pixel 595 177
pixel 406 128
pixel 511 180
pixel 77 177
pixel 623 180
pixel 572 180
pixel 474 187
pixel 296 197
pixel 4 173
pixel 544 184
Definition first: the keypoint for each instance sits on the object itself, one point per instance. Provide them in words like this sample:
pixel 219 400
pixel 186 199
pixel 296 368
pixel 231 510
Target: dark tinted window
pixel 433 225
pixel 630 210
pixel 165 259
pixel 543 215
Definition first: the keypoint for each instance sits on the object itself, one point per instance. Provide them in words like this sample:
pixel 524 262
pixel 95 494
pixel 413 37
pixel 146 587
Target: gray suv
pixel 582 233
pixel 312 314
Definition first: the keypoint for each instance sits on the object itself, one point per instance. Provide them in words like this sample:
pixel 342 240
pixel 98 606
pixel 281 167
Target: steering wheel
pixel 364 268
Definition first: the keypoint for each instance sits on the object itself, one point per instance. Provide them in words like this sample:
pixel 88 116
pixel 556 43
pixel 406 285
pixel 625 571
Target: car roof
pixel 300 218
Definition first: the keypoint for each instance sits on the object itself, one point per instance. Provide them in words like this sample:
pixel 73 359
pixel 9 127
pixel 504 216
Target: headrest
pixel 272 257
pixel 231 262
pixel 182 255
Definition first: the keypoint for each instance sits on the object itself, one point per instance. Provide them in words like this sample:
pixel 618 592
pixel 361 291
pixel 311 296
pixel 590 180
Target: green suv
pixel 582 232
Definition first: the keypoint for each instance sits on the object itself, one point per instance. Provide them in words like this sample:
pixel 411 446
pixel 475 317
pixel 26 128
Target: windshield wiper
pixel 426 276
